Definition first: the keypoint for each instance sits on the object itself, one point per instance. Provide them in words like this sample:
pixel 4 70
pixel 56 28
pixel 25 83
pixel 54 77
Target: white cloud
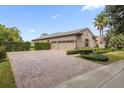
pixel 55 16
pixel 91 7
pixel 32 31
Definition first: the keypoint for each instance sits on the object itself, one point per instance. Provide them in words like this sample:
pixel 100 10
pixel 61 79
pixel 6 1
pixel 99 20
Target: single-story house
pixel 75 39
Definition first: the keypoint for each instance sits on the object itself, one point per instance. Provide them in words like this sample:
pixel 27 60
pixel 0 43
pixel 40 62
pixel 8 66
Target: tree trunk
pixel 100 36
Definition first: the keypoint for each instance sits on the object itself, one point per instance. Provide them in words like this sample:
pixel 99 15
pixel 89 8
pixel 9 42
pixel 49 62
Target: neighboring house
pixel 75 39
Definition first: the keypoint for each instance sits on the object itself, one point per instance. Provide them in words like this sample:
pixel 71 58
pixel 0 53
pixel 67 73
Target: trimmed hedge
pixel 95 50
pixel 86 51
pixel 122 49
pixel 16 46
pixel 71 52
pixel 3 54
pixel 42 45
pixel 97 57
pixel 102 51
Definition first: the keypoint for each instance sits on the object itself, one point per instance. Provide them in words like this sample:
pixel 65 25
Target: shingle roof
pixel 58 34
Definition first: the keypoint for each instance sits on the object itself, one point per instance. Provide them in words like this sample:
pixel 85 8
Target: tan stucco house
pixel 75 39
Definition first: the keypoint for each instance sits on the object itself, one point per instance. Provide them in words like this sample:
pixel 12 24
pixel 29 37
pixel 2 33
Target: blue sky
pixel 34 20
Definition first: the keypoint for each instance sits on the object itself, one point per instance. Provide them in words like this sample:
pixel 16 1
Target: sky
pixel 34 20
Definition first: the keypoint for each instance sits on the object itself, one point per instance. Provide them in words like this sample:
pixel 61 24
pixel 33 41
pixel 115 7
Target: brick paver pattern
pixel 47 68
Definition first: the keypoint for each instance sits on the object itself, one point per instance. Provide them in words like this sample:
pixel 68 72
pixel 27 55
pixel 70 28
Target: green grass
pixel 6 76
pixel 115 56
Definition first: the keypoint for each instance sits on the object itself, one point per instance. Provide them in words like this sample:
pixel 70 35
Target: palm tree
pixel 100 23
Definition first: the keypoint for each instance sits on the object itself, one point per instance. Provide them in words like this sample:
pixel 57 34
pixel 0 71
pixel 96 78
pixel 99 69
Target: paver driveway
pixel 47 68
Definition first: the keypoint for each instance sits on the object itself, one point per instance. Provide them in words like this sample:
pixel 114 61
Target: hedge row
pixel 97 57
pixel 42 45
pixel 103 51
pixel 3 54
pixel 86 51
pixel 16 46
pixel 89 51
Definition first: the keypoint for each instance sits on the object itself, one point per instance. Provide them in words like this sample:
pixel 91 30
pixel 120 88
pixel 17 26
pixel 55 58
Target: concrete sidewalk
pixel 110 76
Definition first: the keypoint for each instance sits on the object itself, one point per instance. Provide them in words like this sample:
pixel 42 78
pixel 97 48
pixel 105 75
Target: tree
pixel 9 34
pixel 115 34
pixel 2 31
pixel 109 34
pixel 117 41
pixel 100 23
pixel 115 14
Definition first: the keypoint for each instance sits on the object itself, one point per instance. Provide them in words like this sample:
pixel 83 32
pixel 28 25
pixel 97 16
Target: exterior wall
pixel 79 41
pixel 87 35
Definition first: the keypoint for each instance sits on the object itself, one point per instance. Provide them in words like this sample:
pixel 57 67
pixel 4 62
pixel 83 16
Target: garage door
pixel 65 45
pixel 70 44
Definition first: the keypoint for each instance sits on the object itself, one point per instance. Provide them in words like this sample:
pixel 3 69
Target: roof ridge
pixel 76 31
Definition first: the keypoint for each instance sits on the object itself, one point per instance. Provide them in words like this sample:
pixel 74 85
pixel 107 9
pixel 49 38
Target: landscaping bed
pixel 88 51
pixel 99 55
pixel 96 57
pixel 105 58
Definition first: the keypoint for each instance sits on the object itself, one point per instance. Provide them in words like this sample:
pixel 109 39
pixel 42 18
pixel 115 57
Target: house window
pixel 86 43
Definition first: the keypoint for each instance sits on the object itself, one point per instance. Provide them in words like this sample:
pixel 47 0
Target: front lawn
pixel 6 76
pixel 112 57
pixel 115 56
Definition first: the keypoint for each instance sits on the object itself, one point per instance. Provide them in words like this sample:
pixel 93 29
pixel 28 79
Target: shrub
pixel 70 52
pixel 42 45
pixel 3 54
pixel 16 46
pixel 122 49
pixel 114 49
pixel 101 58
pixel 97 57
pixel 86 51
pixel 97 46
pixel 31 46
pixel 102 51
